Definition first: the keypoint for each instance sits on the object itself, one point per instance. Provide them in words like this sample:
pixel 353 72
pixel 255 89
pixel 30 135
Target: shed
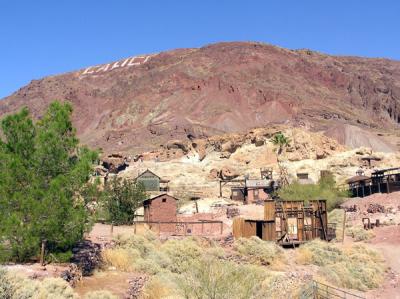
pixel 160 211
pixel 161 208
pixel 287 222
pixel 150 180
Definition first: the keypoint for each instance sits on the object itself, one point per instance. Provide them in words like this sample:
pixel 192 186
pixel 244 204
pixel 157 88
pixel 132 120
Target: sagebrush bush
pixel 215 278
pixel 181 253
pixel 15 286
pixel 6 287
pixel 100 295
pixel 354 267
pixel 358 233
pixel 259 251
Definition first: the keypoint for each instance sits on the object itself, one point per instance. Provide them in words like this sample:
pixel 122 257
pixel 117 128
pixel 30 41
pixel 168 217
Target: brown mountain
pixel 138 103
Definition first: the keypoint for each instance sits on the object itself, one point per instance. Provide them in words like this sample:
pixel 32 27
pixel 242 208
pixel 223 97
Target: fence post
pixel 202 227
pixel 315 289
pixel 134 227
pixel 42 251
pixel 222 227
pixel 344 225
pixel 112 228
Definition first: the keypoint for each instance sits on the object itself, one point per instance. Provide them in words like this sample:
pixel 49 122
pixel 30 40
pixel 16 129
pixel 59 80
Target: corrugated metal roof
pixel 257 183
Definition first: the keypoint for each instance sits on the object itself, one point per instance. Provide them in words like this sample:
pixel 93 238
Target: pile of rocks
pixel 232 212
pixel 136 286
pixel 86 256
pixel 376 208
pixel 72 275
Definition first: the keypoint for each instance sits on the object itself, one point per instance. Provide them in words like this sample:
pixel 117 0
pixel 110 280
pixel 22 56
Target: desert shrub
pixel 6 287
pixel 55 288
pixel 259 251
pixel 355 267
pixel 358 233
pixel 142 243
pixel 59 257
pixel 214 278
pixel 324 189
pixel 336 216
pixel 123 259
pixel 159 287
pixel 181 253
pixel 100 295
pixel 15 286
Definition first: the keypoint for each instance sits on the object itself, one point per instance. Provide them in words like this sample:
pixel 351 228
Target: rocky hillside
pixel 140 103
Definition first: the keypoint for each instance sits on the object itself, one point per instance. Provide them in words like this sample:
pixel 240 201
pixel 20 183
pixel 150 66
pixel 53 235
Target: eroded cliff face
pixel 139 103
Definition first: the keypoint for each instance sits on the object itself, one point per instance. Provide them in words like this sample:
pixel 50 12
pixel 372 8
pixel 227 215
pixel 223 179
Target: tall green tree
pixel 42 170
pixel 122 198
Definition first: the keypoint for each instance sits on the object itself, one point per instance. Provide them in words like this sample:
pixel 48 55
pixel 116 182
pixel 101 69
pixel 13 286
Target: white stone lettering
pixel 115 65
pixel 125 62
pixel 132 61
pixel 103 68
pixel 89 70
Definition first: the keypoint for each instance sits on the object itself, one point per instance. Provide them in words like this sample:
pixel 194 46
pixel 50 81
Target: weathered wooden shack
pixel 288 222
pixel 152 182
pixel 254 190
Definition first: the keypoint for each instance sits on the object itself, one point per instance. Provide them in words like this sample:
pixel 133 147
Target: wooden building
pixel 254 190
pixel 152 182
pixel 380 181
pixel 288 223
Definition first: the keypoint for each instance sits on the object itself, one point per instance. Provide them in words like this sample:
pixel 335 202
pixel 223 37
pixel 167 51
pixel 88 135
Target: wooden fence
pixel 183 228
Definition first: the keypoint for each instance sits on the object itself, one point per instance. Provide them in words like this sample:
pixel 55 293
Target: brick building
pixel 161 208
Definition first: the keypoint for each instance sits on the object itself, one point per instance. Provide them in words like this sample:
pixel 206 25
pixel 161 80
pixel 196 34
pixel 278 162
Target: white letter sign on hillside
pixel 132 61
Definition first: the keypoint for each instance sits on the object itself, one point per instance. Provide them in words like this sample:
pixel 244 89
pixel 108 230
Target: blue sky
pixel 43 37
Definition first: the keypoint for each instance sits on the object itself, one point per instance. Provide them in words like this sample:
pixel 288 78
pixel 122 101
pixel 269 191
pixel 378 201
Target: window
pixel 164 200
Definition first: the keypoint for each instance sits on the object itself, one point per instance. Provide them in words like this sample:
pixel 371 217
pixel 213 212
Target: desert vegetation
pixel 120 199
pixel 43 170
pixel 325 189
pixel 352 267
pixel 199 268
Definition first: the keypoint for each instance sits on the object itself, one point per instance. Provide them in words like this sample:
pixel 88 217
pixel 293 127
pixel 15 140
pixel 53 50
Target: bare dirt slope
pixel 136 104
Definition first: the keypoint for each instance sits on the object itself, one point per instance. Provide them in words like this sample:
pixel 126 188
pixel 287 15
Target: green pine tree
pixel 42 170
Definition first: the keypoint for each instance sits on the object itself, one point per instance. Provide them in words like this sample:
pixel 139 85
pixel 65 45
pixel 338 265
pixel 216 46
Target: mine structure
pixel 289 223
pixel 380 181
pixel 251 190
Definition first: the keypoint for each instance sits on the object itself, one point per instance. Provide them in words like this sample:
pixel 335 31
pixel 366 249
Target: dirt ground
pixel 387 241
pixel 115 282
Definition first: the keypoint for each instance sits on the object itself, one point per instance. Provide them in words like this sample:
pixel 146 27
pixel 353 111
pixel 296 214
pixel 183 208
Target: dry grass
pixel 353 267
pixel 123 259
